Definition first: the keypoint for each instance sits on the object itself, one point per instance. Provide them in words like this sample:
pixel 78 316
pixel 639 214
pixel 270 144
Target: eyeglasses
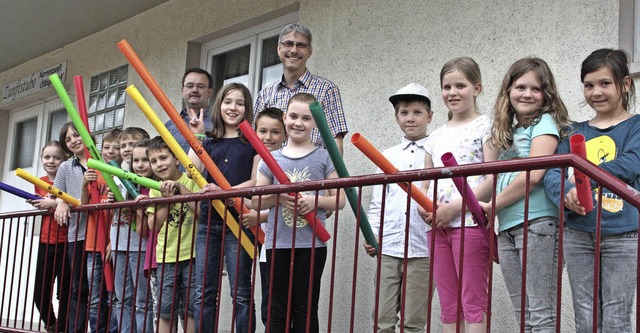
pixel 200 86
pixel 289 44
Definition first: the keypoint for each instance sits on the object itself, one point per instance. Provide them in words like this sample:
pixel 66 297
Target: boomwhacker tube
pixel 93 187
pixel 45 186
pixel 18 192
pixel 123 174
pixel 93 151
pixel 174 115
pixel 82 111
pixel 388 168
pixel 84 133
pixel 471 200
pixel 131 189
pixel 218 205
pixel 82 104
pixel 341 169
pixel 183 128
pixel 268 159
pixel 583 183
pixel 473 205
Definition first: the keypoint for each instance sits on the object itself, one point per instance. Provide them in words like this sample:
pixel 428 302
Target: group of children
pixel 179 276
pixel 183 261
pixel 529 119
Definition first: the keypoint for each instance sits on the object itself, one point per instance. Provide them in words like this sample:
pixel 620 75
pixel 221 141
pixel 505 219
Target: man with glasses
pixel 294 49
pixel 196 92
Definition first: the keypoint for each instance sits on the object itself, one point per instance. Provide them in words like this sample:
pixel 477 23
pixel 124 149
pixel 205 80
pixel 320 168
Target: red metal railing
pixel 347 299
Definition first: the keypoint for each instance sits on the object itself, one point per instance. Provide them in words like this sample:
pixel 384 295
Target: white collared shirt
pixel 408 155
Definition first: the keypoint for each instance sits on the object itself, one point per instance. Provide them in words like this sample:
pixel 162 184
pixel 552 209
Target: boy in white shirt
pixel 413 114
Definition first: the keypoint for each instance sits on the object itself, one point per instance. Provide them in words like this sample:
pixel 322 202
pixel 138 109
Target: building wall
pixel 370 49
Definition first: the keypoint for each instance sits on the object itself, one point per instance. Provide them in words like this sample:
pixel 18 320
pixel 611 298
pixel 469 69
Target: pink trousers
pixel 446 259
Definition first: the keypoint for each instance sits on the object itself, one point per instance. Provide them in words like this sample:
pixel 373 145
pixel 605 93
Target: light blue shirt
pixel 539 204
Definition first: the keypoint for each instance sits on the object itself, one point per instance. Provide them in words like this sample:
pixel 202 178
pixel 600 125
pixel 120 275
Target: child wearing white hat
pixel 413 114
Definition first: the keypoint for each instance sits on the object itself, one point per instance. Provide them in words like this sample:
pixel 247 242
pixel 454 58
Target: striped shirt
pixel 69 179
pixel 326 92
pixel 408 155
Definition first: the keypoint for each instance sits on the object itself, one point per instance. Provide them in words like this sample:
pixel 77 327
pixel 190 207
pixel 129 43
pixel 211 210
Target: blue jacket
pixel 616 150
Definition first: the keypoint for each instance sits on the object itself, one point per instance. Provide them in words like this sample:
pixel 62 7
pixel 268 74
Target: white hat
pixel 411 91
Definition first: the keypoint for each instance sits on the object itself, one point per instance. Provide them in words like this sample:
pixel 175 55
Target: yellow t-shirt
pixel 175 227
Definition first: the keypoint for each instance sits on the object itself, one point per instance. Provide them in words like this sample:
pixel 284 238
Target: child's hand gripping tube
pixel 183 128
pixel 83 132
pixel 131 189
pixel 197 177
pixel 102 233
pixel 124 175
pixel 471 200
pixel 388 168
pixel 473 205
pixel 268 159
pixel 49 188
pixel 583 183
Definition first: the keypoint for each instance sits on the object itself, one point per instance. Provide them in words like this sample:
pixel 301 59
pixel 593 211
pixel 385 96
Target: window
pixel 24 141
pixel 629 31
pixel 57 119
pixel 249 57
pixel 106 102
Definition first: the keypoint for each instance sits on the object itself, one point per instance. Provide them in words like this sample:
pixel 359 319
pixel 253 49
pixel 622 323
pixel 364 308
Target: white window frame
pixel 17 148
pixel 42 111
pixel 252 36
pixel 629 32
pixel 93 114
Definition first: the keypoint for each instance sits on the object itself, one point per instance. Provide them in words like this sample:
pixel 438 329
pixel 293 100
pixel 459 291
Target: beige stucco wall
pixel 370 49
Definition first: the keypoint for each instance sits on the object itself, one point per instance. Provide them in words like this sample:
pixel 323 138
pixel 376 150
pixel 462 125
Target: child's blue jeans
pixel 617 280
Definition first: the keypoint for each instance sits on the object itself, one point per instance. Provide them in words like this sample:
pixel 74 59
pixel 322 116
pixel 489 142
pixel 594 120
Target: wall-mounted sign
pixel 33 83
